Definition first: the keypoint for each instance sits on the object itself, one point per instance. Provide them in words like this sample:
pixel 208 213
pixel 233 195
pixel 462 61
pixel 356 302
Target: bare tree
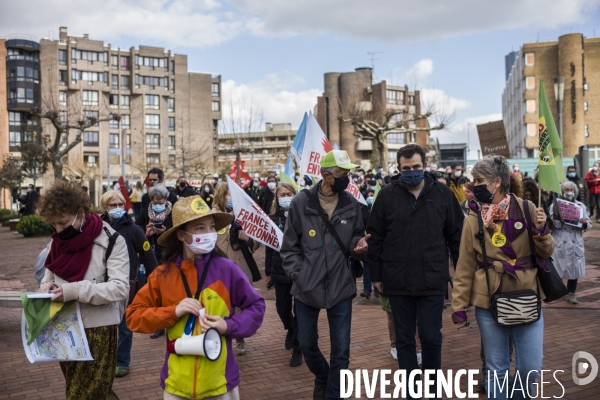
pixel 195 156
pixel 374 120
pixel 242 118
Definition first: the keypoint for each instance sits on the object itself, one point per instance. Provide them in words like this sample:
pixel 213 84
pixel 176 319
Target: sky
pixel 274 53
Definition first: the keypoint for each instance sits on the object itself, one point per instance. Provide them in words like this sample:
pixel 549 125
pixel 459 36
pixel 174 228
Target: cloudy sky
pixel 276 51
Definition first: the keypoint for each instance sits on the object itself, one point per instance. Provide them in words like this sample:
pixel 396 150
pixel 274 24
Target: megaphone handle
pixel 189 325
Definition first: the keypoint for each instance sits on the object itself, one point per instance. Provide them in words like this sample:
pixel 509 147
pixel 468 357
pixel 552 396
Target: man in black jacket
pixel 182 189
pixel 267 194
pixel 27 206
pixel 413 224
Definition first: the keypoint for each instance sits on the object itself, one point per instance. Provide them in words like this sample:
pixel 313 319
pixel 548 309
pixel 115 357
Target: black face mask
pixel 182 184
pixel 483 195
pixel 68 233
pixel 340 184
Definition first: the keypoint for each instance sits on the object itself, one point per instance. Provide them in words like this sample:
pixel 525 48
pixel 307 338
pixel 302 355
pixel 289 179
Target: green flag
pixel 377 189
pixel 38 312
pixel 551 171
pixel 286 179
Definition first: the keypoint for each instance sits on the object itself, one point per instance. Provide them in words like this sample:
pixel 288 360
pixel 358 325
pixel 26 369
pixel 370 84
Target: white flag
pixel 253 220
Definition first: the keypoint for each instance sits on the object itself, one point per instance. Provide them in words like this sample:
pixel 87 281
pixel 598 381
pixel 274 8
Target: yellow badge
pixel 518 225
pixel 199 206
pixel 498 239
pixel 312 233
pixel 146 246
pixel 222 231
pixel 581 185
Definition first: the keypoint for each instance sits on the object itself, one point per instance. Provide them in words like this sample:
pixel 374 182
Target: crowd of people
pixel 148 271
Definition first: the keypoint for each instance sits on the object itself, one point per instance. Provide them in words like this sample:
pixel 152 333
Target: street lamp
pixel 559 92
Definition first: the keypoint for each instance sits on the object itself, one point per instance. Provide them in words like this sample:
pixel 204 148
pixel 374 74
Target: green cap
pixel 337 158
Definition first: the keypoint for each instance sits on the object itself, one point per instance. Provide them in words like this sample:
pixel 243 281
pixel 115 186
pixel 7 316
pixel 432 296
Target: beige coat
pixel 102 303
pixel 234 255
pixel 469 283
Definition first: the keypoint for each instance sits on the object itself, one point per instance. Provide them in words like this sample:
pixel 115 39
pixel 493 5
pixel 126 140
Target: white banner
pixel 316 145
pixel 253 220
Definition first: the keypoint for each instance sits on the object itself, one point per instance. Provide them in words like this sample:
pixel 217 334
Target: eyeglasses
pixel 115 205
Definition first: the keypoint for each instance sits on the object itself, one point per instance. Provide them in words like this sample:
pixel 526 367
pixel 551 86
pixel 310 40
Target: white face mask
pixel 271 185
pixel 458 174
pixel 285 202
pixel 202 243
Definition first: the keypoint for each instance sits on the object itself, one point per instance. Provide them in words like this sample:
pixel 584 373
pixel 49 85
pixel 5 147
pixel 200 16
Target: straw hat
pixel 190 208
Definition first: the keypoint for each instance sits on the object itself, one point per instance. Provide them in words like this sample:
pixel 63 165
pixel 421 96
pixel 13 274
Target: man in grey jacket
pixel 322 276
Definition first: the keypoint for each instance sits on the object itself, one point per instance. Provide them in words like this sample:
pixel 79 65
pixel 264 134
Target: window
pixel 89 76
pixel 114 62
pixel 113 100
pixel 396 138
pixel 172 86
pixel 530 82
pixel 152 121
pixel 171 123
pixel 152 102
pixel 90 160
pixel 112 123
pixel 392 155
pixel 172 161
pixel 21 95
pixel 215 106
pixel 394 96
pixel 14 141
pixel 172 67
pixel 90 56
pixel 90 138
pixel 413 137
pixel 89 115
pixel 90 97
pixel 151 81
pixel 20 54
pixel 125 121
pixel 114 82
pixel 530 106
pixel 14 118
pixel 585 106
pixel 411 100
pixel 124 63
pixel 151 62
pixel 215 89
pixel 128 138
pixel 153 160
pixel 62 77
pixel 125 102
pixel 171 142
pixel 585 87
pixel 532 129
pixel 62 98
pixel 529 59
pixel 587 132
pixel 62 57
pixel 153 141
pixel 171 105
pixel 114 140
pixel 63 117
pixel 125 82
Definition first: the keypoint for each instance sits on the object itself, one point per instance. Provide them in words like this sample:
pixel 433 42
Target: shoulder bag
pixel 512 308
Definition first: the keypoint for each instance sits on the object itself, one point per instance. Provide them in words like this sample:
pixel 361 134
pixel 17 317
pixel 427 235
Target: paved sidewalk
pixel 264 369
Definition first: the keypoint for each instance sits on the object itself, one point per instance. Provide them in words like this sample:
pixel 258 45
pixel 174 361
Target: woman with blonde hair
pixel 77 268
pixel 136 199
pixel 237 246
pixel 142 262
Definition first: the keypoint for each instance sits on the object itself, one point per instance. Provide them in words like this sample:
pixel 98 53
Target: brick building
pixel 168 116
pixel 577 60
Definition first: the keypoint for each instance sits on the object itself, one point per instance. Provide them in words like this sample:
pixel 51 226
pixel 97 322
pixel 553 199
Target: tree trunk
pixel 383 150
pixel 57 166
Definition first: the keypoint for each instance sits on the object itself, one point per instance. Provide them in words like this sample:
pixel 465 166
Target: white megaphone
pixel 207 344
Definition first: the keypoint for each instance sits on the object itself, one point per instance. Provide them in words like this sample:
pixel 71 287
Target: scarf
pixel 154 217
pixel 70 259
pixel 495 212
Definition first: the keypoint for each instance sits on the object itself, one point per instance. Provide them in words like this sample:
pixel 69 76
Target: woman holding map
pixel 76 270
pixel 569 225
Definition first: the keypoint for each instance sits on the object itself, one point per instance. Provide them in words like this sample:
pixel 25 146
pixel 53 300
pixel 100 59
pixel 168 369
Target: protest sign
pixel 492 137
pixel 570 212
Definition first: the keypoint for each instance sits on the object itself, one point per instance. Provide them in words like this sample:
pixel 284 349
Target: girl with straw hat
pixel 172 298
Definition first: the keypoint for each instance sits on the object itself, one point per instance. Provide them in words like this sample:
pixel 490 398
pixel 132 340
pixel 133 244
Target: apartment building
pixel 348 90
pixel 150 108
pixel 574 58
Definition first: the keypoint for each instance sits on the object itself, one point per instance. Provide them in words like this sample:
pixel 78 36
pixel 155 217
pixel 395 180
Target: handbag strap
pixel 530 233
pixel 480 235
pixel 200 284
pixel 317 206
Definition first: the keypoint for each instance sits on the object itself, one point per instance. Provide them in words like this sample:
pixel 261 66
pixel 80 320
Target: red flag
pixel 245 179
pixel 123 189
pixel 147 184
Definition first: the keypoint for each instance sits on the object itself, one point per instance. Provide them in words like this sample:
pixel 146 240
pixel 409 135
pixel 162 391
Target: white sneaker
pixel 419 359
pixel 394 353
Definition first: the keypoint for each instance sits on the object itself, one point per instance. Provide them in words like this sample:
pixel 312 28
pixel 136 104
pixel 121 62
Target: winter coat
pixel 410 238
pixel 224 244
pixel 470 287
pixel 29 203
pixel 582 187
pixel 312 257
pixel 569 253
pixel 265 199
pixel 102 303
pixel 273 261
pixel 593 183
pixel 143 220
pixel 139 248
pixel 224 290
pixel 186 192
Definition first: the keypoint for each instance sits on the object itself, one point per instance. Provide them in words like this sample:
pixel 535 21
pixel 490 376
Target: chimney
pixel 86 36
pixel 63 33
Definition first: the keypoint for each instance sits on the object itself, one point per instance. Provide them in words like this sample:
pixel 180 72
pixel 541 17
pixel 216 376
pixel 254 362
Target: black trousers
pixel 286 308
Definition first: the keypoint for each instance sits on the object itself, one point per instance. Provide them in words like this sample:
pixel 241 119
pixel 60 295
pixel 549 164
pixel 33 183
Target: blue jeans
pixel 528 341
pixel 339 318
pixel 124 346
pixel 367 286
pixel 424 312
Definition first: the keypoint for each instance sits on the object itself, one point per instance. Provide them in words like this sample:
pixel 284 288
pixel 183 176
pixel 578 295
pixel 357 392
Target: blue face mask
pixel 370 200
pixel 412 178
pixel 116 213
pixel 572 174
pixel 229 204
pixel 207 189
pixel 158 208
